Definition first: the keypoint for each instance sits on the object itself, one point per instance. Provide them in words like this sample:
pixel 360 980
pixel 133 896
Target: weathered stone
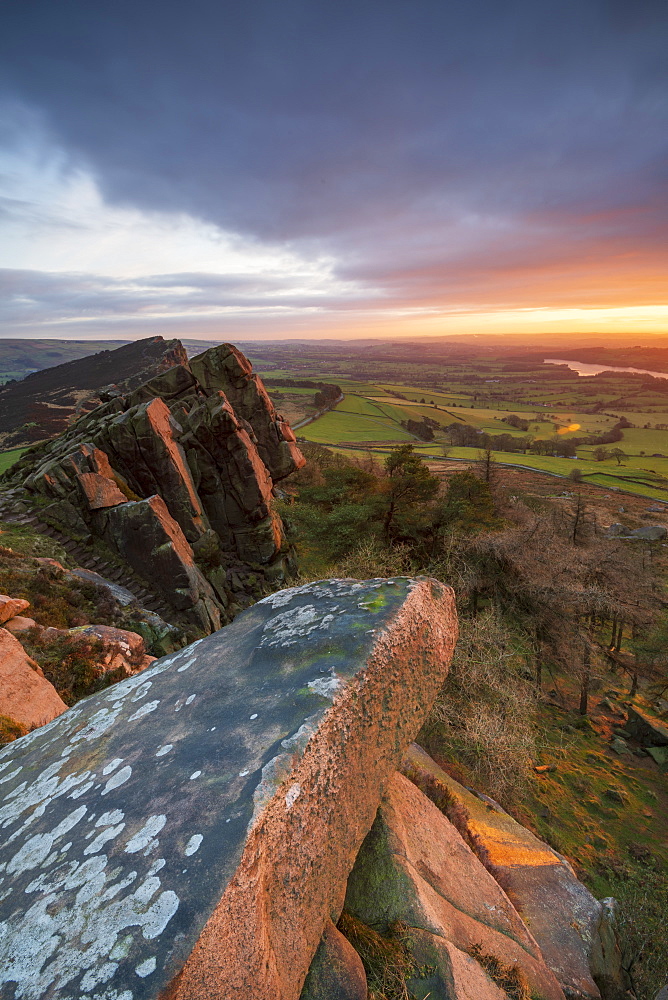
pixel 25 694
pixel 658 754
pixel 225 368
pixel 571 927
pixel 616 530
pixel 145 435
pixel 620 747
pixel 188 832
pixel 181 439
pixel 414 867
pixel 19 624
pixel 645 729
pixel 99 491
pixel 650 532
pixel 336 972
pixel 151 541
pixel 11 606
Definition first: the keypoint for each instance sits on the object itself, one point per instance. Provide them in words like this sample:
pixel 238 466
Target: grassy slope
pixel 7 458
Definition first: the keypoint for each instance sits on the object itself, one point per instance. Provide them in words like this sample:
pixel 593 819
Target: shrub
pixel 73 665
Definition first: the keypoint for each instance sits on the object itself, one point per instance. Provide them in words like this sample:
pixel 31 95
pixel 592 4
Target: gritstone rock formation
pixel 574 930
pixel 175 479
pixel 188 832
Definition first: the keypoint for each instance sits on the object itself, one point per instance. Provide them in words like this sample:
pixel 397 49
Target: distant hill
pixel 19 357
pixel 43 403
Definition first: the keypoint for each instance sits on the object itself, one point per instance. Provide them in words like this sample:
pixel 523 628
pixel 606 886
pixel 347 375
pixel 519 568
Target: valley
pixel 139 526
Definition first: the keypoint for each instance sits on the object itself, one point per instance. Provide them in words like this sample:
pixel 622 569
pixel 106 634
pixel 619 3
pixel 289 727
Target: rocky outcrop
pixel 121 651
pixel 648 731
pixel 575 932
pixel 188 832
pixel 26 696
pixel 416 869
pixel 175 479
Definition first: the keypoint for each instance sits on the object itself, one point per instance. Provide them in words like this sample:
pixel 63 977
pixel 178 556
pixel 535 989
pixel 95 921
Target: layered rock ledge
pixel 188 833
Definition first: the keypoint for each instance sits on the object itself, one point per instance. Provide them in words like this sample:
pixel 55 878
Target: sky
pixel 333 168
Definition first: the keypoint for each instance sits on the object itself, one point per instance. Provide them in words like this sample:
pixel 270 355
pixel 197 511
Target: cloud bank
pixel 328 162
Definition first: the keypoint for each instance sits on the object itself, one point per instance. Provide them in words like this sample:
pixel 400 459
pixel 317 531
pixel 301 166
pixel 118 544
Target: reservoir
pixel 585 369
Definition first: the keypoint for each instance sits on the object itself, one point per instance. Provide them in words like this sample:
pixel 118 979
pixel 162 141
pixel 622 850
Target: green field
pixel 7 458
pixel 371 414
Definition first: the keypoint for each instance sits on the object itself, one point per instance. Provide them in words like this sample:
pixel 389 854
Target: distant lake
pixel 582 369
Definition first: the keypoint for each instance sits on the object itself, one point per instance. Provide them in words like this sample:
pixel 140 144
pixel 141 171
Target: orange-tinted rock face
pixel 291 877
pixel 11 606
pixel 19 624
pixel 204 438
pixel 415 868
pixel 25 694
pixel 572 928
pixel 99 491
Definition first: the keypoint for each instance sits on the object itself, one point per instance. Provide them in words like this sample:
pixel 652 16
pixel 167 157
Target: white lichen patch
pixel 293 794
pixel 146 968
pixel 143 837
pixel 290 627
pixel 326 687
pixel 193 844
pixel 112 765
pixel 165 749
pixel 117 779
pixel 146 709
pixel 48 947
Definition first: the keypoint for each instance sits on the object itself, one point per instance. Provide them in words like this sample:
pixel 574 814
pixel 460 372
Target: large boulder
pixel 25 694
pixel 188 832
pixel 650 532
pixel 205 439
pixel 415 869
pixel 576 932
pixel 648 731
pixel 10 607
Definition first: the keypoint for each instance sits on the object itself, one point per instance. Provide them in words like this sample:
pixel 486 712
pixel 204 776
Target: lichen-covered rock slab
pixel 188 832
pixel 575 931
pixel 414 867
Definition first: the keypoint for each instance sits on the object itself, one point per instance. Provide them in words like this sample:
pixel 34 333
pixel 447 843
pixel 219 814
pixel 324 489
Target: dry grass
pixel 484 716
pixel 387 961
pixel 509 978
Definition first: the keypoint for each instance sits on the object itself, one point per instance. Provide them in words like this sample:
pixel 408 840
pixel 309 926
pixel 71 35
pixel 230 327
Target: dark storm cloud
pixel 369 129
